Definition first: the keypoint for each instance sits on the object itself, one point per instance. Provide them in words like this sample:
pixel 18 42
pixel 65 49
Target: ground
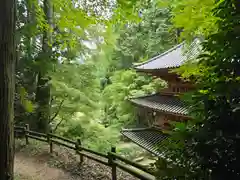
pixel 30 168
pixel 33 162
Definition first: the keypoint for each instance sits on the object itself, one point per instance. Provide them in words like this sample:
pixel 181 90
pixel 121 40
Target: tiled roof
pixel 148 138
pixel 172 58
pixel 171 104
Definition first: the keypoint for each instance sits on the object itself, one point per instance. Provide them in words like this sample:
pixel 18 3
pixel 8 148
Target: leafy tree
pixel 65 32
pixel 136 43
pixel 217 138
pixel 195 17
pixel 75 88
pixel 143 40
pixel 43 83
pixel 213 141
pixel 126 84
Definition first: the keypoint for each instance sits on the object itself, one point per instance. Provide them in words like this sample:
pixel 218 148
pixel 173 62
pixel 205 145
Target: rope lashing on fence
pixel 112 159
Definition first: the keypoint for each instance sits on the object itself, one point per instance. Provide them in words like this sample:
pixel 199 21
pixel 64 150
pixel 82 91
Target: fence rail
pixel 112 159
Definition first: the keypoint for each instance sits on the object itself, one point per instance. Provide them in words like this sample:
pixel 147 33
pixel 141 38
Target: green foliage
pixel 76 85
pixel 138 42
pixel 25 102
pixel 80 108
pixel 92 133
pixel 130 150
pixel 124 85
pixel 212 136
pixel 143 40
pixel 74 23
pixel 221 96
pixel 195 17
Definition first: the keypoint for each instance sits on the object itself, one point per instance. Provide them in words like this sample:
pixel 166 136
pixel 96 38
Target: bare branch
pixel 57 112
pixel 58 124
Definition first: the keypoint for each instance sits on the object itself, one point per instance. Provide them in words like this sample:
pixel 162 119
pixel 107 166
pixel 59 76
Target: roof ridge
pixel 160 55
pixel 154 94
pixel 135 129
pixel 172 58
pixel 149 95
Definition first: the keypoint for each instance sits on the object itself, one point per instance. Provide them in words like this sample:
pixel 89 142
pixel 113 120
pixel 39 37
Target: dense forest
pixel 66 67
pixel 88 84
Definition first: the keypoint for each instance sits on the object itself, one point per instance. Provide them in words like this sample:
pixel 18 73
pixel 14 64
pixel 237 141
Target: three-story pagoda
pixel 156 111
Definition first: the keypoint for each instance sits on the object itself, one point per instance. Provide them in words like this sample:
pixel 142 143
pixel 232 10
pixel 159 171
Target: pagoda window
pixel 173 89
pixel 178 89
pixel 183 89
pixel 150 118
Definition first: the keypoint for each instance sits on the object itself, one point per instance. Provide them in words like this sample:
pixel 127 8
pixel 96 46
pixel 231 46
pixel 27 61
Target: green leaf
pixel 203 91
pixel 180 126
pixel 28 105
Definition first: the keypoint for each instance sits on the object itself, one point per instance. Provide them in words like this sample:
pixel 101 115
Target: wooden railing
pixel 111 159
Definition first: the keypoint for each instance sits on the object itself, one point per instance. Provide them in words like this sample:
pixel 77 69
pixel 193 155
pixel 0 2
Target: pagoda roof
pixel 148 138
pixel 173 58
pixel 163 103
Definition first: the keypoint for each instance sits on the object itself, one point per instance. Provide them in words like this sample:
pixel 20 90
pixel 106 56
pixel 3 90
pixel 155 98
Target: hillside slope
pixel 33 162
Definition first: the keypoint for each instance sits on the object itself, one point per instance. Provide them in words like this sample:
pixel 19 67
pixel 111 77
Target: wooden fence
pixel 111 159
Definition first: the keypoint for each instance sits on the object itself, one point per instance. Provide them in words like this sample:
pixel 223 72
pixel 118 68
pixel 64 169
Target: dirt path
pixel 34 162
pixel 27 168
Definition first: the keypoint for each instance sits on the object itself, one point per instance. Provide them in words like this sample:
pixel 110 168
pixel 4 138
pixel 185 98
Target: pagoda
pixel 156 111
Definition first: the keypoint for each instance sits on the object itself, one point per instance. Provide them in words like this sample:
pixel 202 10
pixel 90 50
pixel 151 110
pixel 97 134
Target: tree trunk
pixel 43 101
pixel 7 87
pixel 43 96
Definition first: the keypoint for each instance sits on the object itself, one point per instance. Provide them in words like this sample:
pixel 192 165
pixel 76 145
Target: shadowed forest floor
pixel 31 168
pixel 33 162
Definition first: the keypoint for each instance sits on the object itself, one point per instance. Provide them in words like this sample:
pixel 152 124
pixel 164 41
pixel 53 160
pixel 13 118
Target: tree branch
pixel 57 112
pixel 51 102
pixel 58 124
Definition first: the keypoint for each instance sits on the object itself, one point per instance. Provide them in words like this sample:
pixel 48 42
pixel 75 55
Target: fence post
pixel 50 142
pixel 26 129
pixel 111 160
pixel 79 148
